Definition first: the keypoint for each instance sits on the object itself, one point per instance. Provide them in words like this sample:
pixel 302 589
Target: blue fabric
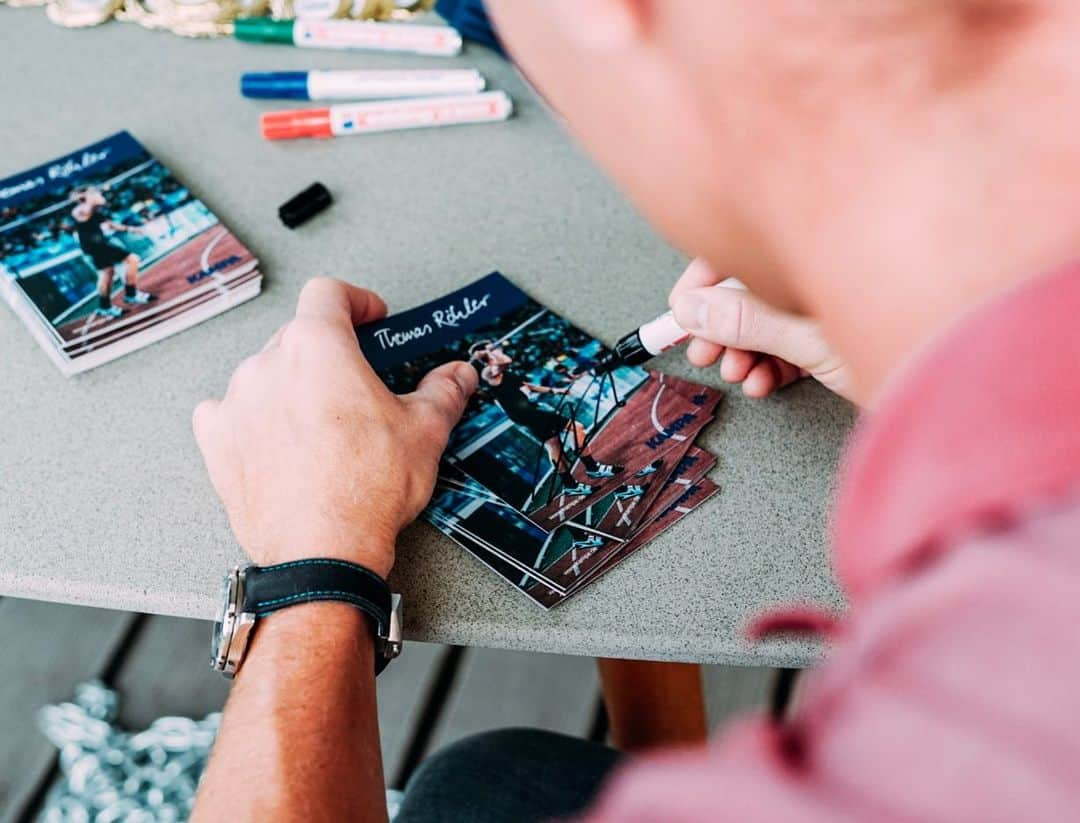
pixel 470 18
pixel 507 776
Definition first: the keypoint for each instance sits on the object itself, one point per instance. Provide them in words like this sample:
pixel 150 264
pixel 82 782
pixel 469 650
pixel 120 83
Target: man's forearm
pixel 300 737
pixel 314 457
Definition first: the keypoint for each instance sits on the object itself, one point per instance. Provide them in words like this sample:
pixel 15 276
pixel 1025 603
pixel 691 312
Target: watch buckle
pixel 236 627
pixel 391 643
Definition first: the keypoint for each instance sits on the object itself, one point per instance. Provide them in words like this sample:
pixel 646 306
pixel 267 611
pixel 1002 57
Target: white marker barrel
pixel 419 113
pixel 351 34
pixel 369 84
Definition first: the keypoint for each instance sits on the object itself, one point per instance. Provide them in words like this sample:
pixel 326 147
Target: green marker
pixel 441 41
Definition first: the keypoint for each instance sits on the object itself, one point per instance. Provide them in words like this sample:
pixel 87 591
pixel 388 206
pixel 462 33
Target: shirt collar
pixel 983 423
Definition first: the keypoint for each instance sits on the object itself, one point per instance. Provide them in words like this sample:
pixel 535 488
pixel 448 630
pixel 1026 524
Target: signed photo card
pixel 563 456
pixel 544 411
pixel 107 238
pixel 104 250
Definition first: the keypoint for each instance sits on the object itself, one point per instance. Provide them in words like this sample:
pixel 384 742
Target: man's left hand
pixel 311 454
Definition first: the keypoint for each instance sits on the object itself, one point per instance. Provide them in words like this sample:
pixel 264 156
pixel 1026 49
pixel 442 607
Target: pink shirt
pixel 952 687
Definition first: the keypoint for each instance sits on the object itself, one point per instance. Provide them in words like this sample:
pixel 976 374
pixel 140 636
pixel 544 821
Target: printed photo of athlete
pixel 90 223
pixel 512 394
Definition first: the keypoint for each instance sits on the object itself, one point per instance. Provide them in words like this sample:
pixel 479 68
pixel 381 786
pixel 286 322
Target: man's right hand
pixel 759 346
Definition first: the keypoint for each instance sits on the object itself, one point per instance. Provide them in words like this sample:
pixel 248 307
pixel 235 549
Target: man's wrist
pixel 380 561
pixel 256 595
pixel 376 556
pixel 330 635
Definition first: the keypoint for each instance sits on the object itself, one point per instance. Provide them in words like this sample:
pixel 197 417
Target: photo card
pixel 619 513
pixel 107 236
pixel 686 499
pixel 546 404
pixel 462 508
pixel 653 423
pixel 567 570
pixel 559 456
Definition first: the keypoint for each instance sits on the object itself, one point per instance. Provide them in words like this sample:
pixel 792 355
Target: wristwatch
pixel 254 592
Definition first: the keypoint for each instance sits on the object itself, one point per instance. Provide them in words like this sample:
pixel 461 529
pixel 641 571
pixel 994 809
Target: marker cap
pixel 287 125
pixel 312 200
pixel 263 30
pixel 284 85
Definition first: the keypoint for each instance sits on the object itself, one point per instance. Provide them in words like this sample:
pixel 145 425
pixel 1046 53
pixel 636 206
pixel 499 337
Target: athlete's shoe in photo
pixel 652 468
pixel 112 312
pixel 140 297
pixel 629 492
pixel 603 470
pixel 580 490
pixel 591 542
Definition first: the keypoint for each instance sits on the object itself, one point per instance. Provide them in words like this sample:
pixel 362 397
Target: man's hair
pixel 479 350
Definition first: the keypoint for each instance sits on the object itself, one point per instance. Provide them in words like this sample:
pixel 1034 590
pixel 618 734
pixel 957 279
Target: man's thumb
pixel 445 391
pixel 735 318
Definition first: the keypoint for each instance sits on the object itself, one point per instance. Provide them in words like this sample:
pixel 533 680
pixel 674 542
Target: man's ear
pixel 601 25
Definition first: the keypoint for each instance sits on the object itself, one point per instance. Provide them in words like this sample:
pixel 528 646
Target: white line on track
pixel 655 418
pixel 204 262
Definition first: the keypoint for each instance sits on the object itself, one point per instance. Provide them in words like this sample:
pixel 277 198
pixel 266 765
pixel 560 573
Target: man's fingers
pixel 443 394
pixel 203 419
pixel 275 340
pixel 329 305
pixel 768 375
pixel 763 379
pixel 207 423
pixel 339 303
pixel 737 364
pixel 698 274
pixel 702 353
pixel 736 319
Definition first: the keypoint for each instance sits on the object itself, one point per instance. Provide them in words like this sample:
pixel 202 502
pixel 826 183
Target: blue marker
pixel 360 84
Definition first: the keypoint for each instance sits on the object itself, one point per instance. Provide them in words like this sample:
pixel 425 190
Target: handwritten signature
pixel 449 317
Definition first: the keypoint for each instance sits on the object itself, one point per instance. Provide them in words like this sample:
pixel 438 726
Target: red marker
pixel 389 115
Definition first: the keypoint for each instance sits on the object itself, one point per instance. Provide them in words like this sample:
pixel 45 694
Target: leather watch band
pixel 270 588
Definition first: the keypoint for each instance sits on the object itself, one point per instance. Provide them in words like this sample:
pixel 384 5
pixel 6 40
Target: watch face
pixel 223 626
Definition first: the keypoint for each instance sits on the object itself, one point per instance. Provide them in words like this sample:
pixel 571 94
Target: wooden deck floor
pixel 431 696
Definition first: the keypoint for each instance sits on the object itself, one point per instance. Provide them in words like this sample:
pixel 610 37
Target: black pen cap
pixel 305 205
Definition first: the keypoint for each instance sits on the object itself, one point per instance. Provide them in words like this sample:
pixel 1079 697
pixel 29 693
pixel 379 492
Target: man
pixel 90 223
pixel 898 177
pixel 547 427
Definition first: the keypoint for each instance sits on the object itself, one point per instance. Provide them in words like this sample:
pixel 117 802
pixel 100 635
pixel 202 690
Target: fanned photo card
pixel 564 463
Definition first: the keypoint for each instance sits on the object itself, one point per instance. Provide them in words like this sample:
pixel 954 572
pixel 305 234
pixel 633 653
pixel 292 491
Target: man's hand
pixel 761 347
pixel 311 454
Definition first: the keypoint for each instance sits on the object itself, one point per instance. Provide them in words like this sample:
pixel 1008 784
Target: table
pixel 103 497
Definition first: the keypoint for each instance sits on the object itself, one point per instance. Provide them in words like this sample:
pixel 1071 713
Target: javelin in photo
pixel 90 223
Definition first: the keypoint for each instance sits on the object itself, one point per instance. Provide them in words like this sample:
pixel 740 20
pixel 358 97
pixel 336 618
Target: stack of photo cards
pixel 103 251
pixel 564 463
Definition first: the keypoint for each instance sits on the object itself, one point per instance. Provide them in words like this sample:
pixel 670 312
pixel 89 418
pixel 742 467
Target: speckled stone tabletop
pixel 103 498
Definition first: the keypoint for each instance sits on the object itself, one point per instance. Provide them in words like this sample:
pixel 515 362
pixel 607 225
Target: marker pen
pixel 655 337
pixel 361 84
pixel 361 35
pixel 387 115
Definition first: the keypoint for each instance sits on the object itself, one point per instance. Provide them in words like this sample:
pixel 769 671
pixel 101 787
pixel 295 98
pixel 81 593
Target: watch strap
pixel 270 588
